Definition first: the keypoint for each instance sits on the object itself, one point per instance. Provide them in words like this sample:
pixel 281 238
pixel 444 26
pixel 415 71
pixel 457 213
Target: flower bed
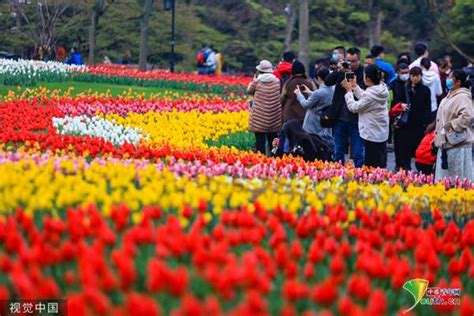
pixel 239 263
pixel 124 206
pixel 51 184
pixel 30 73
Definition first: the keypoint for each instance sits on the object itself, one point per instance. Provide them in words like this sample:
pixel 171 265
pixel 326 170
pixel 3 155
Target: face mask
pixel 335 56
pixel 404 77
pixel 449 84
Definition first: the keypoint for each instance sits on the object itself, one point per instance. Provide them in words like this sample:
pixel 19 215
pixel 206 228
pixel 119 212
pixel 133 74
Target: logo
pixel 417 288
pixel 425 295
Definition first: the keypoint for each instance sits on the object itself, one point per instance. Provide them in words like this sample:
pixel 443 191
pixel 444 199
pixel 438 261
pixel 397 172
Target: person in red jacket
pixel 283 69
pixel 425 159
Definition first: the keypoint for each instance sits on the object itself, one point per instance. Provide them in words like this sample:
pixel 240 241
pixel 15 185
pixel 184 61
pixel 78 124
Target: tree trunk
pixel 144 24
pixel 92 35
pixel 303 39
pixel 96 12
pixel 373 14
pixel 378 27
pixel 290 27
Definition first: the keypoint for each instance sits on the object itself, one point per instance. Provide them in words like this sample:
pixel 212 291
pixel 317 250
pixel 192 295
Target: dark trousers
pixel 423 168
pixel 261 140
pixel 406 141
pixel 343 132
pixel 290 130
pixel 375 154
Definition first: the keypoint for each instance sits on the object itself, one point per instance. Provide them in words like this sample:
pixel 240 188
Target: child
pixel 425 159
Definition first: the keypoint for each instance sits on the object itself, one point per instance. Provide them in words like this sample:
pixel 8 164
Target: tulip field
pixel 156 204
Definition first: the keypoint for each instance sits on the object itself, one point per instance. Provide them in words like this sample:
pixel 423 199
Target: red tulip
pixel 359 286
pixel 337 265
pixel 179 282
pixel 325 293
pixel 77 305
pixel 69 277
pixel 288 310
pixel 378 303
pixel 293 290
pixel 126 268
pixel 296 249
pixel 138 304
pixel 98 301
pixel 467 306
pixel 309 270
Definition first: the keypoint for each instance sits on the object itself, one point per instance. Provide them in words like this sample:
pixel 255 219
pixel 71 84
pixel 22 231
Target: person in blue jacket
pixel 75 58
pixel 377 53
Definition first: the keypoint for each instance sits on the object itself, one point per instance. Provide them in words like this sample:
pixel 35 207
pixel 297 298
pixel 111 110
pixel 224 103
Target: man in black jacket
pixel 346 123
pixel 398 89
pixel 407 138
pixel 398 85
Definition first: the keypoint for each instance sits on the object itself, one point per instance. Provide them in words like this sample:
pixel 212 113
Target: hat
pixel 265 66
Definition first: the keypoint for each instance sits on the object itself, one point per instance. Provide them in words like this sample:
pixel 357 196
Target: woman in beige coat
pixel 265 113
pixel 454 121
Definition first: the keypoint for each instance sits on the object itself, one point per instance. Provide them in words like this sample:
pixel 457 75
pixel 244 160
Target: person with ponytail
pixel 453 135
pixel 373 114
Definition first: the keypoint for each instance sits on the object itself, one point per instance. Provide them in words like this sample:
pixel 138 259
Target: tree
pixel 147 7
pixel 303 38
pixel 290 11
pixel 457 13
pixel 376 18
pixel 97 10
pixel 37 21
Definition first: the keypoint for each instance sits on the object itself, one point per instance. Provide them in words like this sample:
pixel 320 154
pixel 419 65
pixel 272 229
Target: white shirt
pixel 417 63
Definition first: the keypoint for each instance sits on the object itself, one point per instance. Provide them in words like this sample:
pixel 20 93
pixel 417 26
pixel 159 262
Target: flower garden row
pixel 242 262
pixel 30 73
pixel 45 183
pixel 147 129
pixel 122 206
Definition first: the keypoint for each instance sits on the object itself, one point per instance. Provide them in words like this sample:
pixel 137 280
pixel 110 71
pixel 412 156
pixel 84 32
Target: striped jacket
pixel 266 112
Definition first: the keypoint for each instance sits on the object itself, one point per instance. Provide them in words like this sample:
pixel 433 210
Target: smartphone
pixel 349 75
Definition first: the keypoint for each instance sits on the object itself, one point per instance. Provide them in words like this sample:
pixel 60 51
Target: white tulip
pixel 98 127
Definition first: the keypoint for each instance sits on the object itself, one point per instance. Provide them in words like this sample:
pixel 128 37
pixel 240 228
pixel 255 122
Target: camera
pixel 349 76
pixel 346 64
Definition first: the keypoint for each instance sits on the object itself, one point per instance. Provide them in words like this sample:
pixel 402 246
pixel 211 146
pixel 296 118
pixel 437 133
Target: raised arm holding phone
pixel 343 121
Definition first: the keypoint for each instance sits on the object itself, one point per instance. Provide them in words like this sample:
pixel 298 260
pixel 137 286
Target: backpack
pixel 200 58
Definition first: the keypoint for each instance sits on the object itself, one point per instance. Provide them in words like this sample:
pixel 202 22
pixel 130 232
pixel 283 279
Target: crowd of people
pixel 424 108
pixel 209 61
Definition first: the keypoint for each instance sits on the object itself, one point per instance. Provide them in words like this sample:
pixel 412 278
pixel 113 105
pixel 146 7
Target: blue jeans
pixel 342 132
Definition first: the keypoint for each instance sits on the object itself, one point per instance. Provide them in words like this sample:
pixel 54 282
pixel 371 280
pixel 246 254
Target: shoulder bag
pixel 402 119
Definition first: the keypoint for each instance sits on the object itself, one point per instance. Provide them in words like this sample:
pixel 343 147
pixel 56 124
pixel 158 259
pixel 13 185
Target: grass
pixel 79 87
pixel 242 140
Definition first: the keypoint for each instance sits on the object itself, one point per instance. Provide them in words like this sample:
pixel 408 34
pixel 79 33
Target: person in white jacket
pixel 432 80
pixel 211 62
pixel 372 108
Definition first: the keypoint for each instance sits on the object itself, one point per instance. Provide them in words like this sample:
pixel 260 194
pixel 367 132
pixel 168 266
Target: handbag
pixel 454 138
pixel 402 119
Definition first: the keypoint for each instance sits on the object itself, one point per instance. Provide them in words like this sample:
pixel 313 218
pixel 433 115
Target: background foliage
pixel 246 31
